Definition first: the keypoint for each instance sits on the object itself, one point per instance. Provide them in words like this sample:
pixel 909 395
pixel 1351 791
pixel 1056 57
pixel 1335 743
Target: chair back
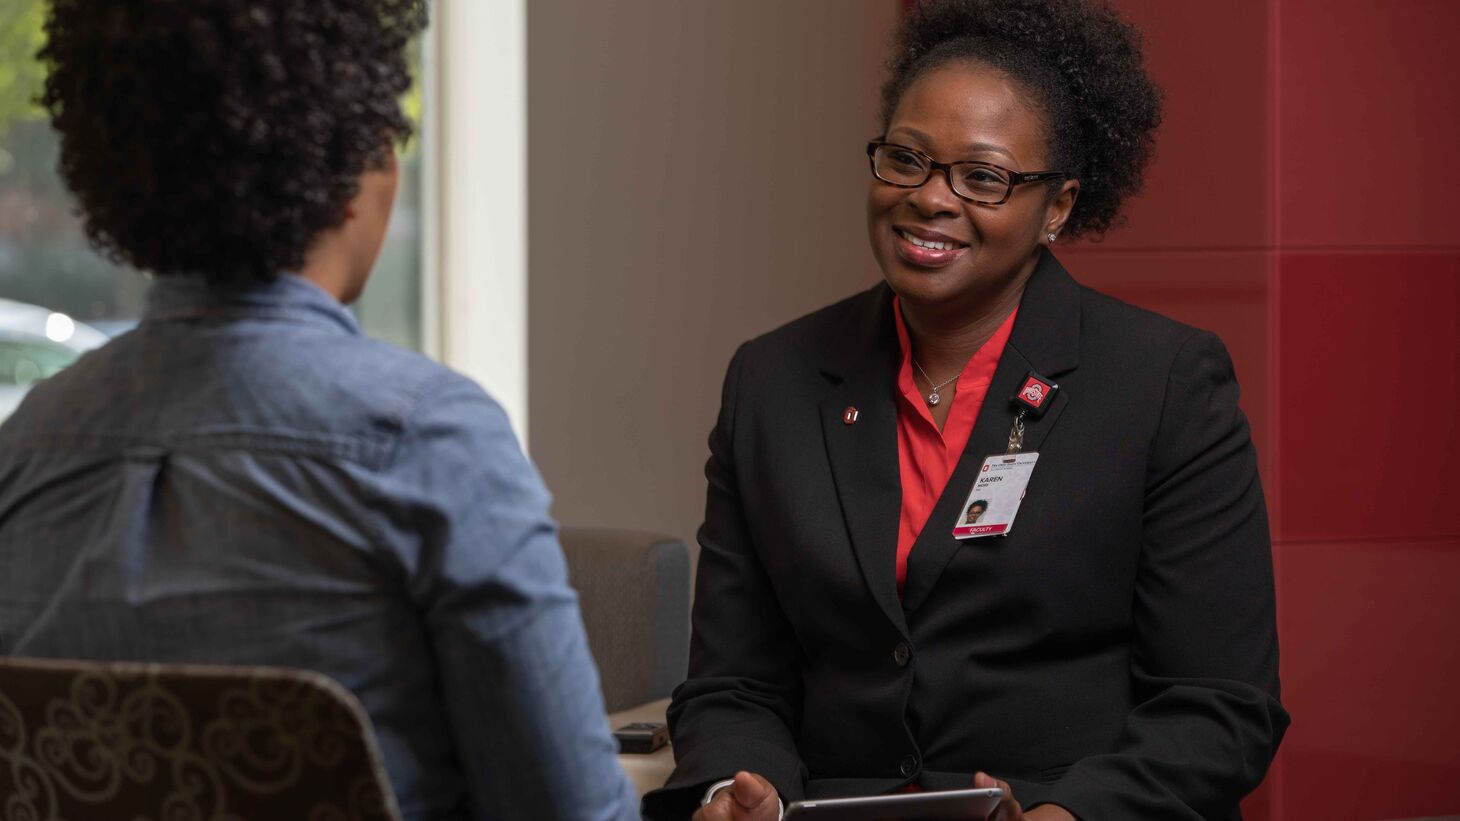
pixel 633 591
pixel 116 740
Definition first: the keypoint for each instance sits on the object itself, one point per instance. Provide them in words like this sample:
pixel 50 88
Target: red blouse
pixel 927 456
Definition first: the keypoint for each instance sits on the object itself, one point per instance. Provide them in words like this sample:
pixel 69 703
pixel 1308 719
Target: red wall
pixel 1365 313
pixel 1302 207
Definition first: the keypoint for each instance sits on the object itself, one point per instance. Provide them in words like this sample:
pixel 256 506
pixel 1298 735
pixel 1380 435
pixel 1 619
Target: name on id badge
pixel 994 501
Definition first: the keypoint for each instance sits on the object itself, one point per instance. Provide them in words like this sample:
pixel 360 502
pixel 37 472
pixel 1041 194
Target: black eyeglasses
pixel 980 182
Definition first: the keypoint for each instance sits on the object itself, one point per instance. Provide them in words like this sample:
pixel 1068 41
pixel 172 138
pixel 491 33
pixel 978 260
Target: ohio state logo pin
pixel 1035 394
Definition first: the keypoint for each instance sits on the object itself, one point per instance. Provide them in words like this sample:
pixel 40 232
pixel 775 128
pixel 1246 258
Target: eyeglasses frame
pixel 1015 177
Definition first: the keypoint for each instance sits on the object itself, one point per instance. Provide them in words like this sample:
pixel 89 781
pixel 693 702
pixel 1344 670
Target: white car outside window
pixel 36 343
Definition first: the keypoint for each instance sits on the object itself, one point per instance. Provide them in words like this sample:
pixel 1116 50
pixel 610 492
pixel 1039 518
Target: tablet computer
pixel 945 805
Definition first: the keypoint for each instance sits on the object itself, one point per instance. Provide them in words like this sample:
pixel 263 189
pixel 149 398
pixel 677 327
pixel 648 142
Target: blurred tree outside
pixel 20 72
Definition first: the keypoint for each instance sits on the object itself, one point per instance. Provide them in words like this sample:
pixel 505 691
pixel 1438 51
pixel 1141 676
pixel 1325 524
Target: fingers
pixel 754 798
pixel 750 798
pixel 1008 809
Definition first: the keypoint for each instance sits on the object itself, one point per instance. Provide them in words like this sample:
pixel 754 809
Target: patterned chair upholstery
pixel 153 742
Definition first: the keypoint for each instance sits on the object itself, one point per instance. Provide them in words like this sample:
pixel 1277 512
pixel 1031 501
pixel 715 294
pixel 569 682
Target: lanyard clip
pixel 1016 434
pixel 1035 396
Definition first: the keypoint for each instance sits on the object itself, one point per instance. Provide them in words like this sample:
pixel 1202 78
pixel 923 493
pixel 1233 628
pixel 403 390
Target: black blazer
pixel 1115 654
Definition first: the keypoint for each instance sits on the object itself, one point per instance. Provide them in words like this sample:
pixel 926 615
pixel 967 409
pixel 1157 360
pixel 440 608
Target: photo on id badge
pixel 994 499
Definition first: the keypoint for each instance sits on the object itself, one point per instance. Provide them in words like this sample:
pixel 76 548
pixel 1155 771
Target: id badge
pixel 994 500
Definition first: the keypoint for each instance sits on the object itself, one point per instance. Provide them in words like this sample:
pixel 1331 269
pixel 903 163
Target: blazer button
pixel 901 654
pixel 909 765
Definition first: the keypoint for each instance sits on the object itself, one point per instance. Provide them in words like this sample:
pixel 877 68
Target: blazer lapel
pixel 863 454
pixel 1045 339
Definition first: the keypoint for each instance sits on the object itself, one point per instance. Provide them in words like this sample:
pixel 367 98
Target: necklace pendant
pixel 934 398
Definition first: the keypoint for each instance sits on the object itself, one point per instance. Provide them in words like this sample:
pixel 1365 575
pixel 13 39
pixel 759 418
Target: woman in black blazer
pixel 1114 656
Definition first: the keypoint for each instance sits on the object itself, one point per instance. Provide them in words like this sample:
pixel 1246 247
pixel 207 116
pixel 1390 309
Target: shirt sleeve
pixel 486 571
pixel 1205 662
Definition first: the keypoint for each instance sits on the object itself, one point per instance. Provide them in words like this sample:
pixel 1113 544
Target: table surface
pixel 648 772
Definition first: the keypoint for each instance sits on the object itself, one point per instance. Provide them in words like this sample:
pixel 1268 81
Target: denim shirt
pixel 245 478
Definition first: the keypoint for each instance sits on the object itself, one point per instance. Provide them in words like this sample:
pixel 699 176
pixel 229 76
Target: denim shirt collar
pixel 288 297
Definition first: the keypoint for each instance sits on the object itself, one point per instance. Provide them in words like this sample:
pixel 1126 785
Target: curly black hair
pixel 1079 62
pixel 220 138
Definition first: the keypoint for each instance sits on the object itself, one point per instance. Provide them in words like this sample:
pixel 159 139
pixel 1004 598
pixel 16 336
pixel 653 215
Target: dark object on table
pixel 641 737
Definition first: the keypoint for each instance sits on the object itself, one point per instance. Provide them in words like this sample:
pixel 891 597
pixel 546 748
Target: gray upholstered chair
pixel 633 589
pixel 123 741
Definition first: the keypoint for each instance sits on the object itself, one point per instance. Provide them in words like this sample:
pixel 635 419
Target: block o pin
pixel 1035 395
pixel 849 416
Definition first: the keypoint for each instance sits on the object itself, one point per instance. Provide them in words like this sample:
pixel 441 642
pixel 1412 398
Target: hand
pixel 1009 809
pixel 750 798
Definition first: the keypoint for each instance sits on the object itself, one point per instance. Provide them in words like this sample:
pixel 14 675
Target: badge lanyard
pixel 1016 433
pixel 994 500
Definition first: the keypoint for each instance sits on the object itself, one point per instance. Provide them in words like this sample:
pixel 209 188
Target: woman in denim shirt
pixel 246 478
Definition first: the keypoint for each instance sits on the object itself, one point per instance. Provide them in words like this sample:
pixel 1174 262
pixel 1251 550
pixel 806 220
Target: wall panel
pixel 1370 663
pixel 697 177
pixel 1208 186
pixel 1369 122
pixel 1367 374
pixel 1370 383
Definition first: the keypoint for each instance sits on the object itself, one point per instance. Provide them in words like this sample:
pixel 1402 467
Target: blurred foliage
pixel 412 101
pixel 20 73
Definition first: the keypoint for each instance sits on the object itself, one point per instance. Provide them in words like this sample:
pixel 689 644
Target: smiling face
pixel 935 248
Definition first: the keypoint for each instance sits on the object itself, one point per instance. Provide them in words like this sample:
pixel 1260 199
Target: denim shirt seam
pixel 354 449
pixel 306 316
pixel 410 405
pixel 376 503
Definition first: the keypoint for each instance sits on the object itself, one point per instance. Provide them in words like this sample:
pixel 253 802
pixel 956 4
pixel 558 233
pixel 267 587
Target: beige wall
pixel 696 177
